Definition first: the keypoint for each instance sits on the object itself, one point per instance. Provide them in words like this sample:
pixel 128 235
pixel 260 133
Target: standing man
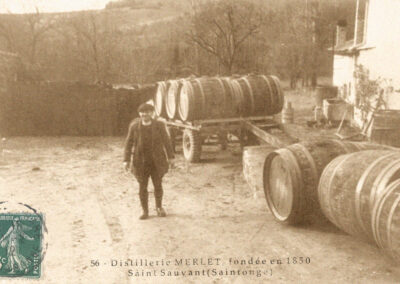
pixel 148 152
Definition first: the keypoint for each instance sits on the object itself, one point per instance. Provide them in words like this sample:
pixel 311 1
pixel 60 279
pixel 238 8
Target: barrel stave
pixel 386 220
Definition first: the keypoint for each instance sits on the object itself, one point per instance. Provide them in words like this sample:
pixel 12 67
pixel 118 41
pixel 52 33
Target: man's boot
pixel 145 206
pixel 160 210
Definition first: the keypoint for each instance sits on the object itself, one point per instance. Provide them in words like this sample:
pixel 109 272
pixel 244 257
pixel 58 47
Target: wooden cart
pixel 248 130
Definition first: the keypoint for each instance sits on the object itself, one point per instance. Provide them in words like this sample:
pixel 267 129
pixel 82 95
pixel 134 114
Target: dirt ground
pixel 91 210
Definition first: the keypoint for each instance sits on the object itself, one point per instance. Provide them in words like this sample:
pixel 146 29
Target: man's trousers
pixel 150 171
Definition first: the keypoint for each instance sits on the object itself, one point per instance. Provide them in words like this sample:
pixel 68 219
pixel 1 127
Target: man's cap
pixel 145 108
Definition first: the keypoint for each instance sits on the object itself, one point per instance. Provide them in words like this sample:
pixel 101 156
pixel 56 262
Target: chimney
pixel 341 29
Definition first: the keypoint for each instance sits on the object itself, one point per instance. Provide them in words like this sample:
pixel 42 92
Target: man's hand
pixel 126 166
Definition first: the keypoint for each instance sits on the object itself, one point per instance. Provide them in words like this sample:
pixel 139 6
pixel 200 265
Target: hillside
pixel 141 41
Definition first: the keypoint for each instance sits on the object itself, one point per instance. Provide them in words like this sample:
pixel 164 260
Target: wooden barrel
pixel 386 220
pixel 348 188
pixel 258 95
pixel 159 98
pixel 172 98
pixel 291 176
pixel 203 98
pixel 208 98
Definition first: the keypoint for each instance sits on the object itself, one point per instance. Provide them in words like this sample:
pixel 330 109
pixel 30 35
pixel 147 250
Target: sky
pixel 28 6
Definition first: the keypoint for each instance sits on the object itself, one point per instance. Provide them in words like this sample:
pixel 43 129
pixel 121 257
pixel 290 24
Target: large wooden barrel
pixel 202 98
pixel 159 98
pixel 349 187
pixel 172 98
pixel 386 220
pixel 208 98
pixel 258 95
pixel 291 176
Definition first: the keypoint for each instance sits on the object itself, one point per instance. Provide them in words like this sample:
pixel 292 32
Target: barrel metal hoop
pixel 188 84
pixel 161 89
pixel 295 176
pixel 173 88
pixel 389 222
pixel 310 159
pixel 382 180
pixel 295 173
pixel 272 100
pixel 223 88
pixel 376 212
pixel 379 189
pixel 203 98
pixel 251 94
pixel 278 87
pixel 360 186
pixel 238 94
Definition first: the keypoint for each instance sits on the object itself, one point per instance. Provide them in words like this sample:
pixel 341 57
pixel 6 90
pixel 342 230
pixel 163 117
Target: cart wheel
pixel 191 145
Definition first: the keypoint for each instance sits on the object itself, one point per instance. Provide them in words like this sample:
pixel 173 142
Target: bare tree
pixel 94 41
pixel 37 27
pixel 221 28
pixel 24 35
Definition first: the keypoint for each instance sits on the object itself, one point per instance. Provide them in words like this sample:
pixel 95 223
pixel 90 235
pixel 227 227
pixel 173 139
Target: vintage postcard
pixel 199 141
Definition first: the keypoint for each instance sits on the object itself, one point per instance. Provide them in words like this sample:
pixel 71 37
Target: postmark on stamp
pixel 21 244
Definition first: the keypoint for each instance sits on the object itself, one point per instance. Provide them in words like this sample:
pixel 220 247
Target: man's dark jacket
pixel 161 148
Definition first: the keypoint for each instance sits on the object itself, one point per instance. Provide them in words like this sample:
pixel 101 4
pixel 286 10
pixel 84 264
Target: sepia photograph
pixel 199 141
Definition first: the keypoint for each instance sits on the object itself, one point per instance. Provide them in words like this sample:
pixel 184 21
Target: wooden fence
pixel 65 108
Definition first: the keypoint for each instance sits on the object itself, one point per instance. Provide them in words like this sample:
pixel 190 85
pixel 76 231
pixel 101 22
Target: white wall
pixel 343 68
pixel 383 35
pixel 382 58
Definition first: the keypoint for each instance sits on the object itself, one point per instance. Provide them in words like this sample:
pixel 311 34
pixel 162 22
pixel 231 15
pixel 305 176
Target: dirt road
pixel 91 209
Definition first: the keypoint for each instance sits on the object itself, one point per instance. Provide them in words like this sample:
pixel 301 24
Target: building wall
pixel 343 69
pixel 383 36
pixel 381 56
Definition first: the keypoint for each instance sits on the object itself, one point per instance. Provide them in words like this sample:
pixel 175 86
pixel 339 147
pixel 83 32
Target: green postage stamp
pixel 20 245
